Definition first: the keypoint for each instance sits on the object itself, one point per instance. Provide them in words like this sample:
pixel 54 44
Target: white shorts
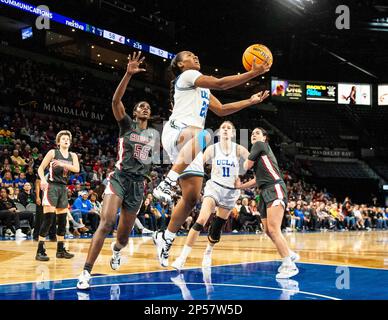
pixel 224 198
pixel 170 135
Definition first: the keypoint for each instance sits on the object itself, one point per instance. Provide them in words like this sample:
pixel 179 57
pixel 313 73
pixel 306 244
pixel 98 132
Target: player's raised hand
pixel 134 63
pixel 259 97
pixel 260 68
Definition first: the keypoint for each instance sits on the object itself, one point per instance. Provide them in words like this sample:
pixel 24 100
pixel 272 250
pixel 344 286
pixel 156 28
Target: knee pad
pixel 48 220
pixel 61 221
pixel 197 227
pixel 215 229
pixel 202 139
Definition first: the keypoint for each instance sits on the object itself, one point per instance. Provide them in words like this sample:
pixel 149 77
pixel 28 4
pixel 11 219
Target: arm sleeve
pixel 187 79
pixel 257 150
pixel 125 124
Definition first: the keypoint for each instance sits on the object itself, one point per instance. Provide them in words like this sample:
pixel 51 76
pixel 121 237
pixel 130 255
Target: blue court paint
pixel 249 281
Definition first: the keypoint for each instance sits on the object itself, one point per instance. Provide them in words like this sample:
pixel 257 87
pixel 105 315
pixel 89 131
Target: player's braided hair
pixel 176 71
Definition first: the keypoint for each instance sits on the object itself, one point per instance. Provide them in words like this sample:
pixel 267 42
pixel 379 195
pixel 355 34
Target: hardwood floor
pixel 363 249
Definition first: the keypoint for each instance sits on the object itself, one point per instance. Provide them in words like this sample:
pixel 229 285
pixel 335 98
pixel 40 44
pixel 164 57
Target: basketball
pixel 258 51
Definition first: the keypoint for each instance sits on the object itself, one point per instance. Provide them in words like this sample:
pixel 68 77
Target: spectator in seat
pixel 78 177
pixel 347 211
pixel 358 217
pixel 385 217
pixel 98 176
pixel 306 216
pixel 246 215
pixel 299 217
pixel 380 221
pixel 146 215
pixel 6 215
pixel 13 194
pixel 5 156
pixel 35 153
pixel 81 208
pixel 337 216
pixel 19 182
pixel 17 160
pixel 31 175
pixel 7 180
pixel 6 204
pixel 253 207
pixel 365 215
pixel 323 216
pixel 96 208
pixel 27 196
pixel 5 166
pixel 38 161
pixel 163 214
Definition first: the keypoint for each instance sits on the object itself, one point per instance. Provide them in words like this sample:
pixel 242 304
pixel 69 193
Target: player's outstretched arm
pixel 223 110
pixel 228 82
pixel 132 68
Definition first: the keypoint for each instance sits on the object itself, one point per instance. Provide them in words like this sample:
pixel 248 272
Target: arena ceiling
pixel 301 33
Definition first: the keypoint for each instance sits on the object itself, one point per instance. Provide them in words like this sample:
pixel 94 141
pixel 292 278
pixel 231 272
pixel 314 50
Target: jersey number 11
pixel 225 172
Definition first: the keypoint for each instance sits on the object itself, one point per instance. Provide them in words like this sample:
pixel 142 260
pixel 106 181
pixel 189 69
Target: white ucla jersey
pixel 225 167
pixel 190 103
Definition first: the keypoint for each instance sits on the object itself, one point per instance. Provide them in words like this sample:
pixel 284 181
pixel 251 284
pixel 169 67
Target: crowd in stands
pixel 25 137
pixel 25 82
pixel 308 209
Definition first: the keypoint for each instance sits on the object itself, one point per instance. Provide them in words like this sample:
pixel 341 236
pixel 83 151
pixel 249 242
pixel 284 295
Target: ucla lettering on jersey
pixel 205 102
pixel 190 103
pixel 225 167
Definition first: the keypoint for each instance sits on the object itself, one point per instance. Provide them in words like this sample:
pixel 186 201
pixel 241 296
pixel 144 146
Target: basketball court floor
pixel 333 266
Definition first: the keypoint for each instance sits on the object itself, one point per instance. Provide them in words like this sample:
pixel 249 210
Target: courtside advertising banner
pixel 318 91
pixel 354 94
pixel 382 95
pixel 287 90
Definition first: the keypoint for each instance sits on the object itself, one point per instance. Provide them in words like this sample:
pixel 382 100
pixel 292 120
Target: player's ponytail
pixel 176 71
pixel 172 92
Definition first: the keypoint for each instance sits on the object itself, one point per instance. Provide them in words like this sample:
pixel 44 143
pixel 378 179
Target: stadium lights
pixel 98 55
pixel 378 25
pixel 92 47
pixel 100 64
